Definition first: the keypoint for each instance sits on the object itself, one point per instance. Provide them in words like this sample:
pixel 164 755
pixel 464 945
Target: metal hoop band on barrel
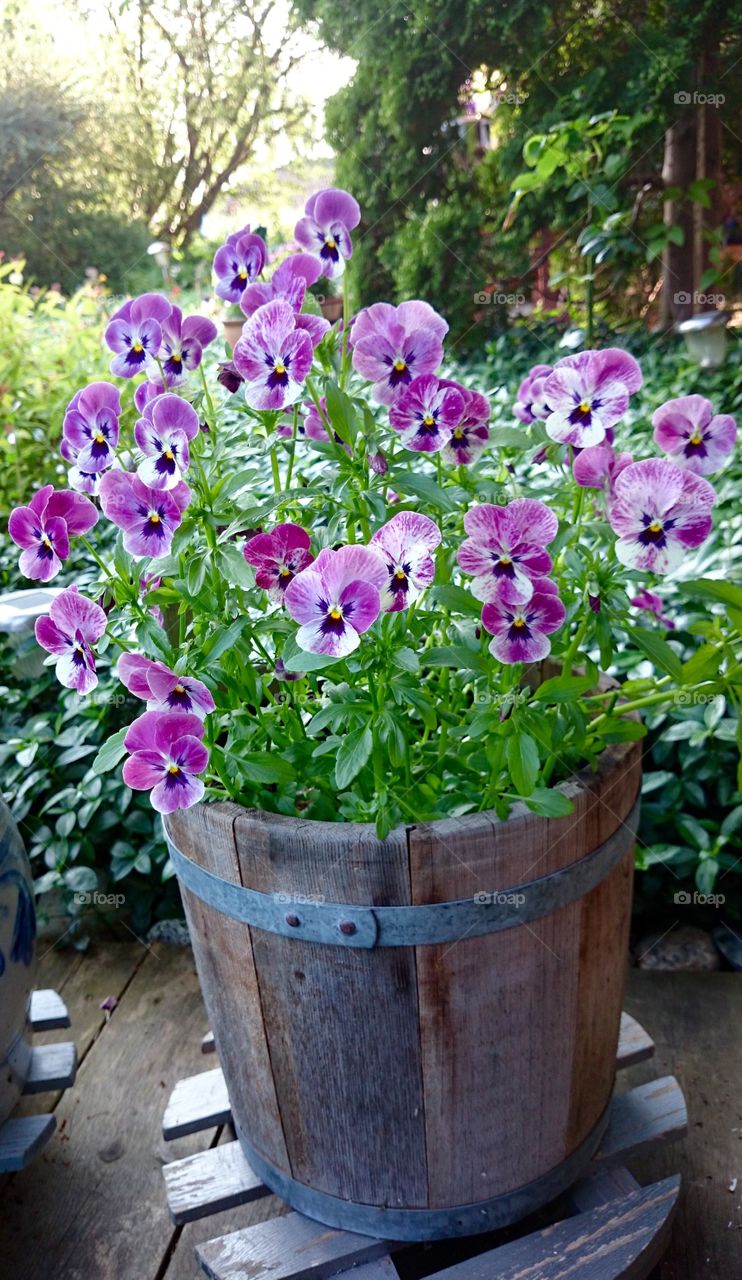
pixel 389 1223
pixel 337 924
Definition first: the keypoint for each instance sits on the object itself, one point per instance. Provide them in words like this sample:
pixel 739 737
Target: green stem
pixel 292 447
pixel 276 472
pixel 209 401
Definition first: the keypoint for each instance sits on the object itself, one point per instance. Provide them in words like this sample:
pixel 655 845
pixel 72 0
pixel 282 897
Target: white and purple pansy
pixel 426 413
pixel 134 333
pixel 329 218
pixel 393 345
pixel 163 432
pixel 43 529
pixel 588 393
pixel 470 434
pixel 506 547
pixel 166 756
pixel 278 556
pixel 660 511
pixel 336 599
pixel 148 517
pixel 90 428
pixel 521 630
pixel 183 343
pixel 147 391
pixel 237 263
pixel 530 405
pixel 69 631
pixel 273 355
pixel 161 688
pixel 599 466
pixel 406 543
pixel 690 434
pixel 289 282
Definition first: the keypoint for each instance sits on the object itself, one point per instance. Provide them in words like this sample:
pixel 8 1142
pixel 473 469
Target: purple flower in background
pixel 237 263
pixel 530 405
pixel 688 432
pixel 282 674
pixel 425 414
pixel 405 542
pixel 337 599
pixel 289 282
pixel 278 556
pixel 330 216
pixel 506 548
pixel 652 603
pixel 314 326
pixel 161 688
pixel 183 343
pixel 273 356
pixel 162 434
pixel 314 426
pixel 43 529
pixel 90 430
pixel 134 333
pixel 69 631
pixel 599 466
pixel 229 376
pixel 588 393
pixel 660 511
pixel 147 391
pixel 166 755
pixel 393 345
pixel 521 630
pixel 470 434
pixel 148 517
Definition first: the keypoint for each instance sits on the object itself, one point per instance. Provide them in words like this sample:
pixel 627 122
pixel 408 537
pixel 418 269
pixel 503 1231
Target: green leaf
pixel 509 438
pixel 456 655
pixel 303 661
pixel 266 767
pixel 111 752
pixel 704 663
pixel 658 651
pixel 563 688
pixel 353 752
pixel 523 762
pixel 341 413
pixel 153 638
pixel 223 638
pixel 406 659
pixel 457 599
pixel 421 486
pixel 550 803
pixel 713 589
pixel 233 565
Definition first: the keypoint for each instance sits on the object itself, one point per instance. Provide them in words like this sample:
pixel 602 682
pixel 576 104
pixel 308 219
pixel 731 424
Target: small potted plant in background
pixel 409 893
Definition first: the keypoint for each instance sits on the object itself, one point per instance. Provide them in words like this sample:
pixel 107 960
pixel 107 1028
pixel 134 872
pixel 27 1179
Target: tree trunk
pixel 679 170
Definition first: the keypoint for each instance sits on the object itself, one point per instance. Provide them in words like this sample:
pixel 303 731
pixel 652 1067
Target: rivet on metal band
pixel 347 925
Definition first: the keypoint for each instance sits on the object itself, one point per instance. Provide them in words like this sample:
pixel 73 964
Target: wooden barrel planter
pixel 419 1034
pixel 17 962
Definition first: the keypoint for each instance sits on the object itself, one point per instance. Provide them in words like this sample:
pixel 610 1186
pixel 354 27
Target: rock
pixel 174 932
pixel 683 948
pixel 730 944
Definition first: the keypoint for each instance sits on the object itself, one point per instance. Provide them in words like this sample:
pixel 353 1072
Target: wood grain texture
pixel 210 1181
pixel 291 1248
pixel 196 1103
pixel 645 1116
pixel 634 1044
pixel 21 1140
pixel 47 1012
pixel 53 1066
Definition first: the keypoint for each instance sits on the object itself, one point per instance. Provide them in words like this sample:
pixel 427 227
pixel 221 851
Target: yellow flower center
pixel 696 438
pixel 330 242
pixel 519 622
pixel 176 358
pixel 100 439
pixel 655 526
pixel 285 573
pixel 173 769
pixel 242 275
pixel 138 348
pixel 400 574
pixel 585 407
pixel 279 368
pixel 400 365
pixel 154 518
pixel 336 614
pixel 506 561
pixel 46 540
pixel 428 420
pixel 458 434
pixel 169 455
pixel 179 688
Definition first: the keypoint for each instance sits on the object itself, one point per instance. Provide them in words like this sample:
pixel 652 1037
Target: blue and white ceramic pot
pixel 17 961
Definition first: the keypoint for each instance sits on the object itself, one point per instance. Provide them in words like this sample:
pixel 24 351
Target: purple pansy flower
pixel 470 434
pixel 599 466
pixel 659 511
pixel 425 414
pixel 161 688
pixel 166 755
pixel 337 599
pixel 506 547
pixel 652 603
pixel 273 356
pixel 81 481
pixel 521 630
pixel 90 429
pixel 69 631
pixel 530 405
pixel 588 393
pixel 315 327
pixel 278 556
pixel 314 425
pixel 688 432
pixel 148 517
pixel 393 345
pixel 237 263
pixel 405 542
pixel 135 333
pixel 162 434
pixel 183 343
pixel 44 527
pixel 330 216
pixel 289 282
pixel 147 391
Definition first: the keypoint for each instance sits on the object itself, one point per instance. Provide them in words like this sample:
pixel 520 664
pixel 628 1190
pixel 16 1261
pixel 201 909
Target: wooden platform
pixel 93 1207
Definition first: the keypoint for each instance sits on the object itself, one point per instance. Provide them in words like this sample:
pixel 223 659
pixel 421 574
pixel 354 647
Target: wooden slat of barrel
pixel 353 1110
pixel 505 1041
pixel 223 952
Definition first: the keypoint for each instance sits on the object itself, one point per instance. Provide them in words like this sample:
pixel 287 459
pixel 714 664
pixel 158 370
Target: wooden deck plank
pixel 291 1248
pixel 22 1138
pixel 650 1113
pixel 48 1011
pixel 634 1043
pixel 198 1102
pixel 210 1181
pixel 52 1067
